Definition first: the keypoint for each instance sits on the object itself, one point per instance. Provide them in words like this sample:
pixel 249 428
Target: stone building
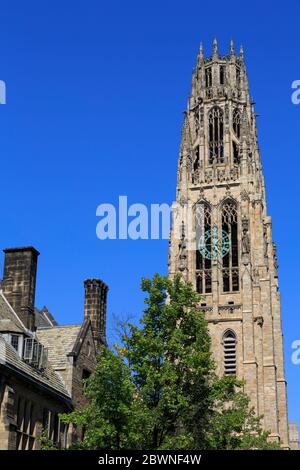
pixel 221 239
pixel 42 364
pixel 294 436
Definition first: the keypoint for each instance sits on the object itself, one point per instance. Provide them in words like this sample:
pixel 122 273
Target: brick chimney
pixel 95 308
pixel 19 280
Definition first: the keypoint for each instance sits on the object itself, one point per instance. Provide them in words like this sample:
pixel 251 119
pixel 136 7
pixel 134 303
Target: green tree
pixel 113 412
pixel 169 357
pixel 45 442
pixel 160 390
pixel 234 425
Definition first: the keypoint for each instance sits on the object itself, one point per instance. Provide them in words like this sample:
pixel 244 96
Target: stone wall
pixel 21 428
pixel 84 364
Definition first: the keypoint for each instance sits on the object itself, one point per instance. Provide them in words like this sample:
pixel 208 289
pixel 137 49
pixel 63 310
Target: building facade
pixel 43 365
pixel 225 248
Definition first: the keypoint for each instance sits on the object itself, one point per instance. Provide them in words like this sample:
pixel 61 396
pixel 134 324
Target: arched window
pixel 203 249
pixel 229 345
pixel 222 74
pixel 216 136
pixel 236 123
pixel 238 76
pixel 196 164
pixel 230 247
pixel 208 77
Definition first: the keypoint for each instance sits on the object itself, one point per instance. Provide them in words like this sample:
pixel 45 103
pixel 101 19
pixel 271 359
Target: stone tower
pixel 225 247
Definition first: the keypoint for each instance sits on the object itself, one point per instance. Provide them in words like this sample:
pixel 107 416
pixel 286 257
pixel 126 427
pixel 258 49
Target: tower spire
pixel 244 124
pixel 231 48
pixel 241 52
pixel 200 54
pixel 215 48
pixel 201 48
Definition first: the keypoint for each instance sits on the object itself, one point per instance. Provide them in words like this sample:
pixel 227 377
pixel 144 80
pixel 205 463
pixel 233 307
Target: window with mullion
pixel 203 257
pixel 216 136
pixel 230 259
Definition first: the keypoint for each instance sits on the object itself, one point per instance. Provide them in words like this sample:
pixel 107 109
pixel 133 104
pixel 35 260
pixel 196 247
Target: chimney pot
pixel 19 282
pixel 95 308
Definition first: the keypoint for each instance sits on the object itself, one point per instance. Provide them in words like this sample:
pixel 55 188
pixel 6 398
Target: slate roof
pixel 46 377
pixel 9 321
pixel 60 341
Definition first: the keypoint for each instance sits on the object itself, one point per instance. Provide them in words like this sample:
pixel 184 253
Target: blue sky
pixel 95 94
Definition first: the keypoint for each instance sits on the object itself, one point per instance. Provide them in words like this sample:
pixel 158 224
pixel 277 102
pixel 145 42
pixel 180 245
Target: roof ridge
pixel 71 325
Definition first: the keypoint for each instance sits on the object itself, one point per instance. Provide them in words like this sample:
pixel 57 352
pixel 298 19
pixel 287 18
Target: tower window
pixel 236 157
pixel 197 159
pixel 229 345
pixel 203 255
pixel 236 123
pixel 216 134
pixel 238 75
pixel 230 246
pixel 208 77
pixel 222 75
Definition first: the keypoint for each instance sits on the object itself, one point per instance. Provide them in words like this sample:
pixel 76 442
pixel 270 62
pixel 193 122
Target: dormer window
pixel 35 353
pixel 14 341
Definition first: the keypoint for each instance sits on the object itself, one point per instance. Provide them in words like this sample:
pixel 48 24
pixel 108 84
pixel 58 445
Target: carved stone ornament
pixel 245 237
pixel 245 195
pixel 183 200
pixel 259 320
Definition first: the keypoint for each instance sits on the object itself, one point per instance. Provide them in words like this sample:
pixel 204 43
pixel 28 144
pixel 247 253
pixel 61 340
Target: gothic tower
pixel 230 257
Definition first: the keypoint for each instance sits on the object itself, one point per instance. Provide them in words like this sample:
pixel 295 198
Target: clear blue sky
pixel 95 94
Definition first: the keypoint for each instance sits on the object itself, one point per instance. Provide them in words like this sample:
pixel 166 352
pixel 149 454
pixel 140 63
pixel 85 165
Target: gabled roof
pixel 44 319
pixel 9 320
pixel 80 338
pixel 59 340
pixel 44 378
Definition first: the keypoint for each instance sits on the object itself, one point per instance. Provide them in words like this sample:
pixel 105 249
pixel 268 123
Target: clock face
pixel 213 247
